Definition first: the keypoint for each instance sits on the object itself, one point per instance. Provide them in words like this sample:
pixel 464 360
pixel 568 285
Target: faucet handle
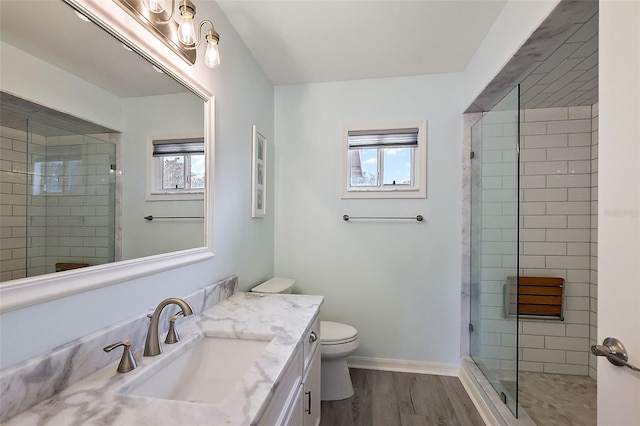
pixel 127 362
pixel 172 334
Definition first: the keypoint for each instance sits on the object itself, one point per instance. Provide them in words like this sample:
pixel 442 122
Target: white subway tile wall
pixel 76 224
pixel 13 191
pixel 566 137
pixel 557 237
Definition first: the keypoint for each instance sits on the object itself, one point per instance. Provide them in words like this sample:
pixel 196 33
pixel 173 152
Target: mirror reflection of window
pixel 173 172
pixel 177 167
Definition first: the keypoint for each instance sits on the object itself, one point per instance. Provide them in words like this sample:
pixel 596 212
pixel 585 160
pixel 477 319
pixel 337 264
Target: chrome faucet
pixel 152 344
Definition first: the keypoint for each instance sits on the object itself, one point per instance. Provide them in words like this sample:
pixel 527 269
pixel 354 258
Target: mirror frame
pixel 20 293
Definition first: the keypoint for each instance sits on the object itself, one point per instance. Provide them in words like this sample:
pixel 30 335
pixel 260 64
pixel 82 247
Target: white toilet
pixel 337 342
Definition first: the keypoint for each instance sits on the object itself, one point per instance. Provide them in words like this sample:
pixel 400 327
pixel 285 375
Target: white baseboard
pixel 404 366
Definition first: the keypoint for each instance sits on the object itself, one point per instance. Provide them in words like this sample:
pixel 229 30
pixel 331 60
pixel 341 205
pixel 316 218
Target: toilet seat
pixel 335 333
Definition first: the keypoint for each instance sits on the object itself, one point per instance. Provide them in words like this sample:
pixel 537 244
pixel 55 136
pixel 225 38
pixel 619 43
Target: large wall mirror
pixel 91 135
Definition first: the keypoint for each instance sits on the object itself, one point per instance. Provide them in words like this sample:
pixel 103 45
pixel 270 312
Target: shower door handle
pixel 615 352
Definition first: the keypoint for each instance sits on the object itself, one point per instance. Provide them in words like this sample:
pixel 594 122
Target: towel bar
pixel 419 217
pixel 150 218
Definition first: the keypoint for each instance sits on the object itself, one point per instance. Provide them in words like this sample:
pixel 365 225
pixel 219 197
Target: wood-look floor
pixel 384 398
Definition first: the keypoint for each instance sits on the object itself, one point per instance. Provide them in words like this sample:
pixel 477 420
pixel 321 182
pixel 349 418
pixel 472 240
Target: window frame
pixel 418 170
pixel 155 192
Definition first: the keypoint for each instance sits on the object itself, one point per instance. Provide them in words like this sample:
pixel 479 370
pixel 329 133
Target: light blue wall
pixel 26 76
pixel 243 246
pixel 167 117
pixel 398 283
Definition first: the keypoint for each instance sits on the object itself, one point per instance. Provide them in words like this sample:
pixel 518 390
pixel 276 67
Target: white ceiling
pixel 51 31
pixel 295 41
pixel 301 41
pixel 304 41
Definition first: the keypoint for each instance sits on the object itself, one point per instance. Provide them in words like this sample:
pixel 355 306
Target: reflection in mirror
pixel 76 120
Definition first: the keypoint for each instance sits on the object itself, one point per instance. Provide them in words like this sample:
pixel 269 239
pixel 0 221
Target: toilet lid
pixel 275 285
pixel 335 332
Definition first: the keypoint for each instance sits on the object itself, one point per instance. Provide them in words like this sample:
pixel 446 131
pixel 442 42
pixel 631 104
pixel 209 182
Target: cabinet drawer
pixel 311 341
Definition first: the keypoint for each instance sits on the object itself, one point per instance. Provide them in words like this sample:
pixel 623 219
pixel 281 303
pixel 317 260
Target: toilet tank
pixel 276 285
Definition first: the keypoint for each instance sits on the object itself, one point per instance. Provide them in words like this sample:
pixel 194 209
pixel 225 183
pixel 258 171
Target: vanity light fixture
pixel 212 54
pixel 188 36
pixel 186 27
pixel 181 37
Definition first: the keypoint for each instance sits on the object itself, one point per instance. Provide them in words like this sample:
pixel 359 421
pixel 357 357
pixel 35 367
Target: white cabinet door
pixel 311 391
pixel 285 407
pixel 294 416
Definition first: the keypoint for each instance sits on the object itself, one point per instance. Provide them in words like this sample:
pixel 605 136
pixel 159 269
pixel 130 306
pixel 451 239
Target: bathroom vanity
pixel 275 336
pixel 297 400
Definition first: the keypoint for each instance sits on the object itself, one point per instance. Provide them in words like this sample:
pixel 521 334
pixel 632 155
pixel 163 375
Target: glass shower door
pixel 99 155
pixel 494 247
pixel 70 200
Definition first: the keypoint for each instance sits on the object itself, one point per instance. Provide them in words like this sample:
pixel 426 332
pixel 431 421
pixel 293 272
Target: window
pixel 386 162
pixel 61 172
pixel 56 177
pixel 177 169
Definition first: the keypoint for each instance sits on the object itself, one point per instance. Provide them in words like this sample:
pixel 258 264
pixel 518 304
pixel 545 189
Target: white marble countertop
pixel 97 400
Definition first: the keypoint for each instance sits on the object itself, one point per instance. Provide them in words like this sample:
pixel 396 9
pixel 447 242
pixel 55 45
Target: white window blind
pixel 162 148
pixel 385 138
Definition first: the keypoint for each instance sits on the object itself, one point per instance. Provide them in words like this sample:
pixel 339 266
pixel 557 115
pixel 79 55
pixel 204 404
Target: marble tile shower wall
pixel 26 384
pixel 555 239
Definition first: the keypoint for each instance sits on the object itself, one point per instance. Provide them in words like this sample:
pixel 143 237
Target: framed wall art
pixel 258 175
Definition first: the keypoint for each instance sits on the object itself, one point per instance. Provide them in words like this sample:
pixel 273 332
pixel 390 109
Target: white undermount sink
pixel 204 372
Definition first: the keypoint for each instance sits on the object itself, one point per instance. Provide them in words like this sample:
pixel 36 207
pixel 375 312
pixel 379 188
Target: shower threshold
pixel 486 400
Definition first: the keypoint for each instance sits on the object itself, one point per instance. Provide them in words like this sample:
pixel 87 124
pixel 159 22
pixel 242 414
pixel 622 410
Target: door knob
pixel 615 352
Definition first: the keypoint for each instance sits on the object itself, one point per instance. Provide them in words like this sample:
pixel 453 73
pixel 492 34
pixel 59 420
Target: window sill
pixel 385 193
pixel 176 196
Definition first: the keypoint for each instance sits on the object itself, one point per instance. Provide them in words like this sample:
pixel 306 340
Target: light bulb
pixel 186 29
pixel 155 6
pixel 212 55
